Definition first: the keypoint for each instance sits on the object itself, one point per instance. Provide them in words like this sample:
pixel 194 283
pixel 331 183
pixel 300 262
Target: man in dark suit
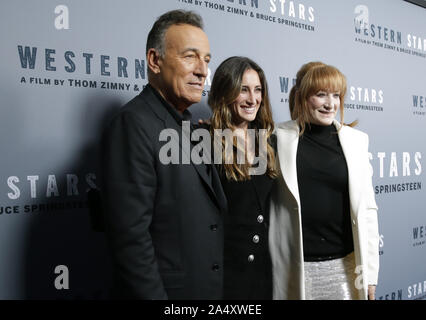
pixel 163 221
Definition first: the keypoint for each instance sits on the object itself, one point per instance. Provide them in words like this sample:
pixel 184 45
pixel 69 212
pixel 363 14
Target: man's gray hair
pixel 156 35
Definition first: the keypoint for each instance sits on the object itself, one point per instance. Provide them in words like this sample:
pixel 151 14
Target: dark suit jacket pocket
pixel 173 280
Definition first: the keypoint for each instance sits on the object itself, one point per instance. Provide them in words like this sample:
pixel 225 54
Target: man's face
pixel 183 68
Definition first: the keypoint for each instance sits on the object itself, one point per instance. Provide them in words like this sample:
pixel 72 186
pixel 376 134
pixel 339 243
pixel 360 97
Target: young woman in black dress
pixel 240 103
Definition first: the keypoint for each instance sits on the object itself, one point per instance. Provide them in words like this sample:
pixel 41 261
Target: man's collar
pixel 179 117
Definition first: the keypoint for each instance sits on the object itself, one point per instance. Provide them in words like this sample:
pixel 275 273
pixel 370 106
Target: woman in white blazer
pixel 323 236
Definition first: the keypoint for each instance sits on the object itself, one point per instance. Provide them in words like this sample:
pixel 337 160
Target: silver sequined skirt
pixel 331 279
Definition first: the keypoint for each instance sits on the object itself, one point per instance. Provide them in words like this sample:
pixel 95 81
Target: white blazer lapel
pixel 351 150
pixel 288 138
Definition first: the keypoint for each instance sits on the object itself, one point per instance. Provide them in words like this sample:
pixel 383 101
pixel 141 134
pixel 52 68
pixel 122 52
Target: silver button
pixel 353 221
pixel 250 258
pixel 255 238
pixel 260 218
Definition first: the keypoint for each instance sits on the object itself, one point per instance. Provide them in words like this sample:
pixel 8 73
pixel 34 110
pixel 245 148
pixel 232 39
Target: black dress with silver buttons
pixel 247 262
